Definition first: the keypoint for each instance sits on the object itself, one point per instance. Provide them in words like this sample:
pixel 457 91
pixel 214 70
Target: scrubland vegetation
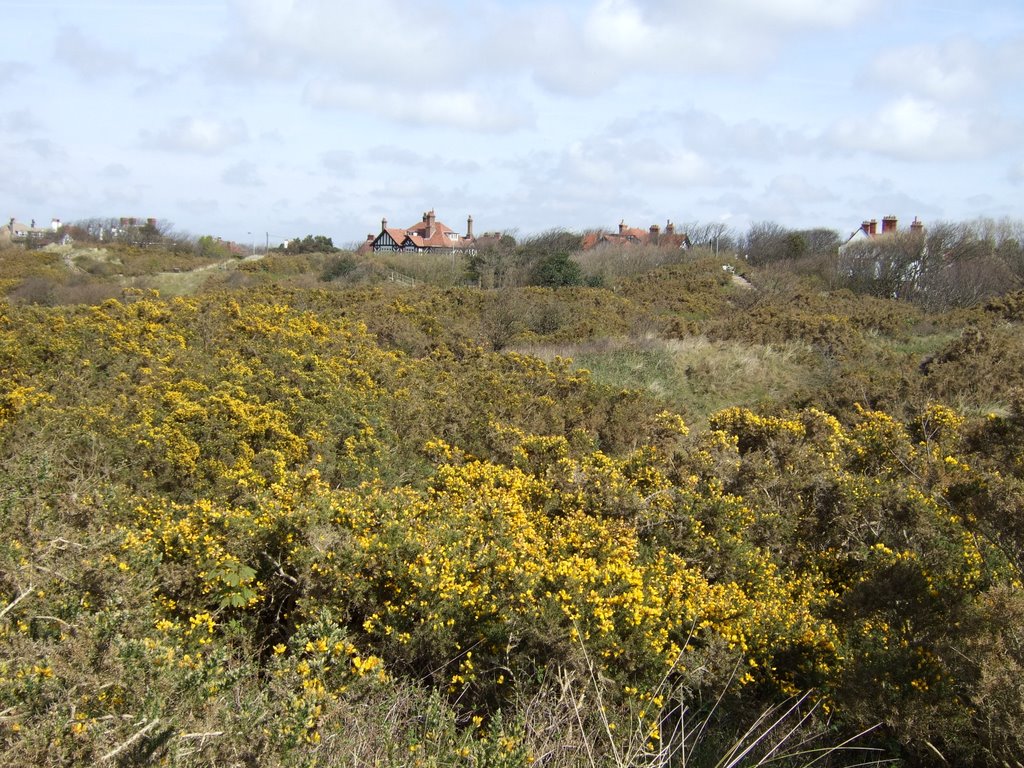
pixel 293 513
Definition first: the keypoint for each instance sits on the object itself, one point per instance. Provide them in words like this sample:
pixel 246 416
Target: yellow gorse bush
pixel 276 494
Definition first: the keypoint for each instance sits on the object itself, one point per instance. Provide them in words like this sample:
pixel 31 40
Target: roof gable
pixel 427 234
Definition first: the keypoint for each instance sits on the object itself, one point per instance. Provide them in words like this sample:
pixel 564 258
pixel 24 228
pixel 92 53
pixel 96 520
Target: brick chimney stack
pixel 670 228
pixel 888 225
pixel 622 227
pixel 383 224
pixel 429 218
pixel 873 227
pixel 655 234
pixel 916 226
pixel 469 227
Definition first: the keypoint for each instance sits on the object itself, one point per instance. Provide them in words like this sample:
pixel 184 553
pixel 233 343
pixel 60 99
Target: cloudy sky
pixel 295 117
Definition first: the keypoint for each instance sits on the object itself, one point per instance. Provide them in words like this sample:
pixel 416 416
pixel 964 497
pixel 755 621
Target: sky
pixel 271 119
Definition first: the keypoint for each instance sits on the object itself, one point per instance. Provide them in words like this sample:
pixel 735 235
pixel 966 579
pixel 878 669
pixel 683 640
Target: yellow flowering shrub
pixel 244 514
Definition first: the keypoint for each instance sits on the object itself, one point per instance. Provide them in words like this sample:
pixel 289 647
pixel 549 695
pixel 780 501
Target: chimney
pixel 670 228
pixel 916 226
pixel 873 227
pixel 429 218
pixel 469 228
pixel 151 223
pixel 655 233
pixel 622 227
pixel 888 225
pixel 866 227
pixel 383 224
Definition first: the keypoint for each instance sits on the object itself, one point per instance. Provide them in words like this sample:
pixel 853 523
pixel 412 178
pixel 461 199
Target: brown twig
pixel 17 600
pixel 131 740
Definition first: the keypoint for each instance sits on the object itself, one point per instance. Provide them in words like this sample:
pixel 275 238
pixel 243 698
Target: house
pixel 869 230
pixel 18 232
pixel 629 236
pixel 425 236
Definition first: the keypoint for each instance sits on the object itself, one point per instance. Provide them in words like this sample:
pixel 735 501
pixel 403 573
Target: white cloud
pixel 639 164
pixel 798 188
pixel 115 171
pixel 953 70
pixel 338 161
pixel 618 27
pixel 89 58
pixel 799 13
pixel 122 196
pixel 917 129
pixel 395 41
pixel 414 190
pixel 198 135
pixel 406 158
pixel 615 39
pixel 42 189
pixel 789 198
pixel 19 121
pixel 580 48
pixel 462 109
pixel 1016 173
pixel 712 136
pixel 242 174
pixel 44 149
pixel 199 206
pixel 10 71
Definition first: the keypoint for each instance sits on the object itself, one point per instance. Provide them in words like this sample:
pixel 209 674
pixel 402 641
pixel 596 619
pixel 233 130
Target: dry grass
pixel 612 263
pixel 693 375
pixel 440 269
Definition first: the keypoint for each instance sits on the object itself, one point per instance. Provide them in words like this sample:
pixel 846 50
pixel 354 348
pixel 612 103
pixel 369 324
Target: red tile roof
pixel 429 233
pixel 636 236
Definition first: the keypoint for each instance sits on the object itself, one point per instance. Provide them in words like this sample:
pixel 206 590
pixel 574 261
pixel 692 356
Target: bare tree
pixel 820 241
pixel 966 263
pixel 713 234
pixel 767 242
pixel 889 266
